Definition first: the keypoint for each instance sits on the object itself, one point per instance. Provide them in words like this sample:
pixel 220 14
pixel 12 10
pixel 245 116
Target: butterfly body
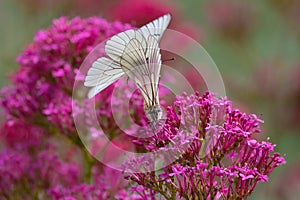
pixel 135 53
pixel 153 113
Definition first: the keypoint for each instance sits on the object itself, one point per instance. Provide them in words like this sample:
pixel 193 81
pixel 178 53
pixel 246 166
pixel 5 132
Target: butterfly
pixel 135 53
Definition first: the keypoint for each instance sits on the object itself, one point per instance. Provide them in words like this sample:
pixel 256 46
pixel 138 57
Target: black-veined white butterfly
pixel 137 54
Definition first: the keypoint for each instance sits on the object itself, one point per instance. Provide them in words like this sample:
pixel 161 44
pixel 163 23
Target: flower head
pixel 221 159
pixel 42 87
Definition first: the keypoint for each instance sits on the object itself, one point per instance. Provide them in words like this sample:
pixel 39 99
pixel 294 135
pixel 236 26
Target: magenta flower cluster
pixel 28 170
pixel 221 160
pixel 38 114
pixel 42 87
pixel 38 172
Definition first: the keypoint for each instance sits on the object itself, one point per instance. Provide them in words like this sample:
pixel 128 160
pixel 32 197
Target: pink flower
pixel 232 19
pixel 140 12
pixel 42 87
pixel 107 184
pixel 15 132
pixel 194 119
pixel 25 166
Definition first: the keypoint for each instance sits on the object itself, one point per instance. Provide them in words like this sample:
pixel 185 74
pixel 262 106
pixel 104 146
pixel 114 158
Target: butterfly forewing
pixel 136 53
pixel 102 74
pixel 156 28
pixel 116 45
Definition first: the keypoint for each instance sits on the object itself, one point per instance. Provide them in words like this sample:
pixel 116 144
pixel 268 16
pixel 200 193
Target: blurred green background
pixel 256 47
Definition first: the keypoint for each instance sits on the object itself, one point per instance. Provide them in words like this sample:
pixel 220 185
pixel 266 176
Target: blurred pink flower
pixel 267 77
pixel 107 184
pixel 271 80
pixel 232 19
pixel 292 98
pixel 140 12
pixel 288 186
pixel 28 171
pixel 14 132
pixel 38 104
pixel 42 87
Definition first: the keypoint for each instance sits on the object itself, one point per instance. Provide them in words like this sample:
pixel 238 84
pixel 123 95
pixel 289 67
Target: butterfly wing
pixel 138 53
pixel 134 52
pixel 156 28
pixel 152 33
pixel 105 71
pixel 154 65
pixel 134 63
pixel 116 45
pixel 102 74
pixel 143 68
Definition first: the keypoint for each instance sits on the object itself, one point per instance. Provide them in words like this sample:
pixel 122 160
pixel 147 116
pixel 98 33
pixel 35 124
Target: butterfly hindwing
pixel 154 64
pixel 143 65
pixel 115 46
pixel 103 73
pixel 134 63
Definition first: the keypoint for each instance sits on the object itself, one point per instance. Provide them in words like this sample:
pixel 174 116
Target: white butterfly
pixel 135 53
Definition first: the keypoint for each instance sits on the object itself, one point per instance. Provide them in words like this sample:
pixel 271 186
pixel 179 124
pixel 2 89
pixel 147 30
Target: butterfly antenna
pixel 167 60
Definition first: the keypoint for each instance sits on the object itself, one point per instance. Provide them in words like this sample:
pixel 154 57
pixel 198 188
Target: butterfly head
pixel 154 113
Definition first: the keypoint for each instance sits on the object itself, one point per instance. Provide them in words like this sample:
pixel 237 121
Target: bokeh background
pixel 255 44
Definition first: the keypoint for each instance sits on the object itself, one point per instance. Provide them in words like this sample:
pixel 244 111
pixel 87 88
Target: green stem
pixel 89 162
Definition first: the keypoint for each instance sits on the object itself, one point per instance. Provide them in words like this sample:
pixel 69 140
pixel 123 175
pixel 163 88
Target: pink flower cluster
pixel 106 185
pixel 29 172
pixel 222 160
pixel 42 87
pixel 32 169
pixel 38 108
